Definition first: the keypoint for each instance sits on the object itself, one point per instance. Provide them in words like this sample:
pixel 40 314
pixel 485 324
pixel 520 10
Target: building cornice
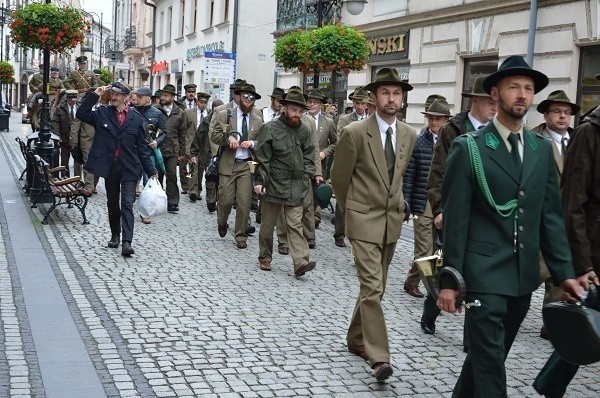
pixel 453 14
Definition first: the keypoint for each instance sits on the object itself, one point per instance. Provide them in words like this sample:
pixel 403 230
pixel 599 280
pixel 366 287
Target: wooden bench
pixel 65 190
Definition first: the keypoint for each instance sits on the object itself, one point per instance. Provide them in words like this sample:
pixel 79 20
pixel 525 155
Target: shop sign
pixel 388 46
pixel 159 66
pixel 198 51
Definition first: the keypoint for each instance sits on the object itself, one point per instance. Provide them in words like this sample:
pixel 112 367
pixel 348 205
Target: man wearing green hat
pixel 501 207
pixel 272 111
pixel 371 159
pixel 557 110
pixel 414 184
pixel 285 153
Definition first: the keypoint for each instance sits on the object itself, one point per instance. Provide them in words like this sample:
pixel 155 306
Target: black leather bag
pixel 574 329
pixel 212 170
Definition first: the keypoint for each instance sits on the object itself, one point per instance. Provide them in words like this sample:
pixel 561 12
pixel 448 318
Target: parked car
pixel 24 116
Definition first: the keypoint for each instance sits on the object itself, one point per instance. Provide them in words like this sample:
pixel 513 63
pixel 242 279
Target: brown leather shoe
pixel 146 220
pixel 413 291
pixel 311 243
pixel 241 244
pixel 303 269
pixel 283 250
pixel 222 230
pixel 340 243
pixel 86 192
pixel 382 371
pixel 265 265
pixel 358 350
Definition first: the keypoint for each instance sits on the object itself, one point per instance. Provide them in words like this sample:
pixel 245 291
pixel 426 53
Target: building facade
pixel 440 47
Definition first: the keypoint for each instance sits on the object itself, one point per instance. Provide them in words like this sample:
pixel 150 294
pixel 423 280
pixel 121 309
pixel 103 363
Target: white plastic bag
pixel 152 200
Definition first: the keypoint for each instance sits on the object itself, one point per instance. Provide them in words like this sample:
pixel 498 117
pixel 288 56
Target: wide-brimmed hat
pixel 120 88
pixel 439 107
pixel 81 59
pixel 143 91
pixel 277 93
pixel 190 87
pixel 477 90
pixel 432 98
pixel 515 65
pixel 318 95
pixel 247 88
pixel 202 95
pixel 557 97
pixel 157 93
pixel 360 94
pixel 237 84
pixel 294 97
pixel 169 88
pixel 387 76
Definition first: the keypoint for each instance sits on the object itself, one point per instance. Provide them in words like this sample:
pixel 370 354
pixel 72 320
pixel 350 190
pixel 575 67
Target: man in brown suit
pixel 194 117
pixel 372 156
pixel 235 130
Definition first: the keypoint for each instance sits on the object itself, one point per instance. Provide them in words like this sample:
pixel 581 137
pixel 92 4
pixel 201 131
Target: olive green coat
pixel 286 157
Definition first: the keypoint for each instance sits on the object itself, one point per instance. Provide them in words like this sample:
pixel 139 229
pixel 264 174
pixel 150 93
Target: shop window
pixel 403 73
pixel 475 67
pixel 588 87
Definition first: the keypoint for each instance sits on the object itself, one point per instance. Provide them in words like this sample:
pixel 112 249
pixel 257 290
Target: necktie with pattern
pixel 244 127
pixel 390 157
pixel 514 143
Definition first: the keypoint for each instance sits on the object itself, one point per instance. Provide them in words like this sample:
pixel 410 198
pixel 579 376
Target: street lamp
pixel 91 34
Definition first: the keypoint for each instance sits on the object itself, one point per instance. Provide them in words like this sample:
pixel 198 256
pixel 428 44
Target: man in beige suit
pixel 557 110
pixel 327 135
pixel 371 158
pixel 235 130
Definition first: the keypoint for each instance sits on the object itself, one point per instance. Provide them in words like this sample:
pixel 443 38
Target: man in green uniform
pixel 286 156
pixel 81 79
pixel 500 208
pixel 54 83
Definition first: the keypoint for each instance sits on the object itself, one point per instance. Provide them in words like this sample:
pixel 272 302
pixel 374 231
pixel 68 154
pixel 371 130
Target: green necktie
pixel 244 128
pixel 514 143
pixel 390 157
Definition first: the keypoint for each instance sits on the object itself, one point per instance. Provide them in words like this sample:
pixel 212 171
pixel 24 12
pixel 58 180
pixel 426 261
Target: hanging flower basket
pixel 47 27
pixel 331 47
pixel 7 72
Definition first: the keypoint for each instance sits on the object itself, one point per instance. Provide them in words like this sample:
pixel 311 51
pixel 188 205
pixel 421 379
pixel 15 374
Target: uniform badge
pixel 491 141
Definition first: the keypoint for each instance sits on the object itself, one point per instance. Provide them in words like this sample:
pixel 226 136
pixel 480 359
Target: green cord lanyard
pixel 505 210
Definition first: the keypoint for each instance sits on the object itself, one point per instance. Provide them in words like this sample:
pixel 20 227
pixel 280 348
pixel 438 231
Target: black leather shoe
pixel 193 197
pixel 113 243
pixel 427 326
pixel 172 209
pixel 340 242
pixel 250 230
pixel 211 207
pixel 222 229
pixel 283 250
pixel 258 218
pixel 311 243
pixel 127 250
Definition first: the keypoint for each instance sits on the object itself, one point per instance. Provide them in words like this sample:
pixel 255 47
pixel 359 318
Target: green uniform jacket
pixel 478 242
pixel 286 157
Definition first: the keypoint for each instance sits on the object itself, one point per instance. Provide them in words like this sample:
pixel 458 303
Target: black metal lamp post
pixel 323 8
pixel 101 32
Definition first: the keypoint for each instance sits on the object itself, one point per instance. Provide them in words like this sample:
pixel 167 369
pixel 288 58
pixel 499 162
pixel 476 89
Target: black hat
pixel 191 87
pixel 54 69
pixel 557 97
pixel 247 88
pixel 97 72
pixel 294 97
pixel 157 93
pixel 81 59
pixel 477 89
pixel 515 65
pixel 238 83
pixel 438 107
pixel 201 95
pixel 169 88
pixel 387 76
pixel 120 88
pixel 277 93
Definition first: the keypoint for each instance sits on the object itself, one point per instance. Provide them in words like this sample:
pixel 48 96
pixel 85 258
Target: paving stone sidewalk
pixel 189 315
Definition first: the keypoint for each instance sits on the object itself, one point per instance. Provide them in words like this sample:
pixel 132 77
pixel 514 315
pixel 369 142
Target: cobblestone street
pixel 189 315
